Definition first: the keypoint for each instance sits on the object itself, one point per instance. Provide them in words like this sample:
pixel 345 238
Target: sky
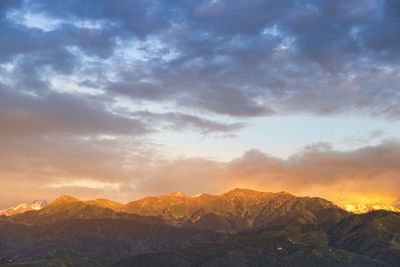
pixel 126 99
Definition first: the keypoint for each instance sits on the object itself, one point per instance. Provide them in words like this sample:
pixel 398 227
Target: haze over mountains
pixel 238 228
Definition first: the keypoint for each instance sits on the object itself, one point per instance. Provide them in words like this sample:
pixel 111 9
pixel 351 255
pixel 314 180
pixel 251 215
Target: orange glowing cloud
pixel 367 175
pixel 105 168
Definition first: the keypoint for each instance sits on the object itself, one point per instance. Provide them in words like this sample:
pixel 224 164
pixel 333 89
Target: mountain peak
pixel 177 194
pixel 238 190
pixel 64 199
pixel 106 203
pixel 38 204
pixel 241 191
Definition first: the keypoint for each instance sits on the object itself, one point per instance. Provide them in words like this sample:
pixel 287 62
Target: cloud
pixel 27 115
pixel 366 174
pixel 358 140
pixel 125 170
pixel 318 57
pixel 179 121
pixel 203 66
pixel 37 162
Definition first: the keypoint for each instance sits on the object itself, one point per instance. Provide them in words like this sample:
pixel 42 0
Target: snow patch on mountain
pixel 23 207
pixel 364 208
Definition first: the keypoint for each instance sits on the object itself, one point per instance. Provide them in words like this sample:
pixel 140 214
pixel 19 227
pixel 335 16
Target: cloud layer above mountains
pixel 85 84
pixel 104 168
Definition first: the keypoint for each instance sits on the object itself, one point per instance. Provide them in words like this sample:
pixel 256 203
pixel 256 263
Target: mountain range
pixel 137 206
pixel 239 228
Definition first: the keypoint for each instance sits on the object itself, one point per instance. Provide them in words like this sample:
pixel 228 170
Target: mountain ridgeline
pixel 237 210
pixel 239 228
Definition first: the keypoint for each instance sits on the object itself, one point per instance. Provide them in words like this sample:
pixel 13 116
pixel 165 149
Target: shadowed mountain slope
pixel 277 246
pixel 370 239
pixel 103 240
pixel 375 234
